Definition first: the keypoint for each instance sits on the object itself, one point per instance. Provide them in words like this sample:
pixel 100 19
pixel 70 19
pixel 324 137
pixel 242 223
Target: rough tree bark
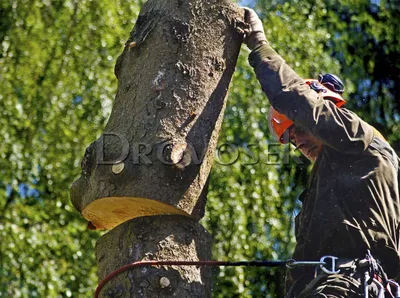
pixel 147 174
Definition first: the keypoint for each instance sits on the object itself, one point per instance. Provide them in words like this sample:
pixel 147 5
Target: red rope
pixel 185 263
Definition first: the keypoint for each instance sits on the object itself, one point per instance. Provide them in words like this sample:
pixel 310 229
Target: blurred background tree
pixel 56 91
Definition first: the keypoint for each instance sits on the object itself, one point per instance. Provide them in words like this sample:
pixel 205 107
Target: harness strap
pixel 370 271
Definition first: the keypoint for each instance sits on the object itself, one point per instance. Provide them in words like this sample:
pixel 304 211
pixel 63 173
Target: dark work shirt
pixel 352 200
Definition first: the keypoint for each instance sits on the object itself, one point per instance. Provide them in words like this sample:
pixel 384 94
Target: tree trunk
pixel 164 237
pixel 157 149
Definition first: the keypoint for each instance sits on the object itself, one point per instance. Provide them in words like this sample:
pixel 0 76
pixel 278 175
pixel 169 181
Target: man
pixel 351 207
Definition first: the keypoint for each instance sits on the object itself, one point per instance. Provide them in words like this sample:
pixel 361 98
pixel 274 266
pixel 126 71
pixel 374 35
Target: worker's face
pixel 304 141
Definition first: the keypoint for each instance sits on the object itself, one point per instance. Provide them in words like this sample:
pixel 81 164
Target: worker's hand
pixel 255 35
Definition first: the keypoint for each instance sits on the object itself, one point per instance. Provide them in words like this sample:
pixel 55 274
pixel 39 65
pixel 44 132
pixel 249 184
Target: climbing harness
pixel 328 264
pixel 369 269
pixel 374 274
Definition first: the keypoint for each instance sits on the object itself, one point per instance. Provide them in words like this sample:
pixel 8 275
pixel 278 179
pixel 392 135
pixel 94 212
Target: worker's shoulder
pixel 379 145
pixel 373 138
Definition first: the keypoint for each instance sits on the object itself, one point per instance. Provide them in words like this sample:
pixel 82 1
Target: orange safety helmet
pixel 279 124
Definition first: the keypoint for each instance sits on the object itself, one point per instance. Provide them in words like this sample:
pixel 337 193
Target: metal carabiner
pixel 396 286
pixel 381 288
pixel 333 263
pixel 365 284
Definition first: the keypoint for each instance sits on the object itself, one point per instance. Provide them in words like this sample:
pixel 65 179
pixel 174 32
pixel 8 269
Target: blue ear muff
pixel 317 87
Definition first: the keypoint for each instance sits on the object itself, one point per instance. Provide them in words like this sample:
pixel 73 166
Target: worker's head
pixel 330 87
pixel 305 142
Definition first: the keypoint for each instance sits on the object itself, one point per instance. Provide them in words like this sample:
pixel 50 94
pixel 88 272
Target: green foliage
pixel 57 85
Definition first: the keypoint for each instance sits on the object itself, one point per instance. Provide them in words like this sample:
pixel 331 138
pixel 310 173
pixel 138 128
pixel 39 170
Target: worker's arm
pixel 290 95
